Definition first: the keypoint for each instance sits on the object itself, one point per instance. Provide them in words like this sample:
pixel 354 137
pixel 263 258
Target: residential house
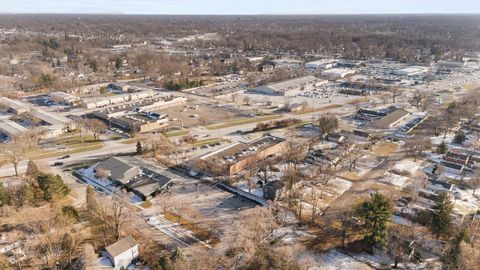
pixel 122 253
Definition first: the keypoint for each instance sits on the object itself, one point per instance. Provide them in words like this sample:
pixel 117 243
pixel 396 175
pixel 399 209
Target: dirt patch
pixel 385 148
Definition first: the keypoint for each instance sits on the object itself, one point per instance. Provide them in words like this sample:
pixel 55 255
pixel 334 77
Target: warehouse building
pixel 15 106
pixel 98 102
pixel 337 73
pixel 392 119
pixel 290 87
pixel 64 97
pixel 322 64
pixel 411 71
pixel 11 128
pixel 241 155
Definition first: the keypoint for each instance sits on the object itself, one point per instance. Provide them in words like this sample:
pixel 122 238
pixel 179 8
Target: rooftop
pixel 121 246
pixel 242 150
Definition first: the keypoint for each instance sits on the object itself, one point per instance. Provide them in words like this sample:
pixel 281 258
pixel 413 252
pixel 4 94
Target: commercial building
pixel 451 64
pixel 132 122
pixel 291 87
pixel 391 119
pixel 64 97
pixel 322 64
pixel 14 106
pixel 11 128
pixel 287 63
pixel 57 124
pixel 337 73
pixel 241 155
pixel 98 102
pixel 411 71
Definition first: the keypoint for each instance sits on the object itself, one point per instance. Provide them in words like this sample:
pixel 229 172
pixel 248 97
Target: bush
pixel 459 138
pixel 442 148
pixel 71 212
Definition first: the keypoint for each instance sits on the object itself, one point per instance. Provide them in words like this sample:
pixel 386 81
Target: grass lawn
pixel 176 133
pixel 43 155
pixel 471 86
pixel 244 121
pixel 209 141
pixel 319 109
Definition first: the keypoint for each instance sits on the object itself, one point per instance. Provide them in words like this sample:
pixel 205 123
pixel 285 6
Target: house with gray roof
pixel 136 175
pixel 118 169
pixel 122 253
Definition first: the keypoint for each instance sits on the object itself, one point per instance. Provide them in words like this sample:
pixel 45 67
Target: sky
pixel 240 6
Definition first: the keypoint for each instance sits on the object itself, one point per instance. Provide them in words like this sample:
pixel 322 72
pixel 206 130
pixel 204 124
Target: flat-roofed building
pixel 16 106
pixel 322 64
pixel 392 119
pixel 11 128
pixel 98 102
pixel 411 71
pixel 64 97
pixel 337 73
pixel 287 63
pixel 241 155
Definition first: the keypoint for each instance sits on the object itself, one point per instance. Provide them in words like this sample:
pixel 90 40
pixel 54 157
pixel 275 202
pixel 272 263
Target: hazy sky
pixel 240 6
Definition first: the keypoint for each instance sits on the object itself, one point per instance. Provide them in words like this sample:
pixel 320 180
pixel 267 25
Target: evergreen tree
pixel 52 187
pixel 139 147
pixel 442 148
pixel 29 194
pixel 4 196
pixel 440 219
pixel 451 258
pixel 459 138
pixel 32 170
pixel 375 214
pixel 177 255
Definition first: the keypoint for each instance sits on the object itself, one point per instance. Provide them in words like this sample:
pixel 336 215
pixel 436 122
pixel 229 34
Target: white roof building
pixel 337 73
pixel 322 64
pixel 411 71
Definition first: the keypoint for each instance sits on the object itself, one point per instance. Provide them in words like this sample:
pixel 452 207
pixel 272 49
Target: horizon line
pixel 232 14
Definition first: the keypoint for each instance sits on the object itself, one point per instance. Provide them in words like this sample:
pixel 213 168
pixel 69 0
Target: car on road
pixel 58 163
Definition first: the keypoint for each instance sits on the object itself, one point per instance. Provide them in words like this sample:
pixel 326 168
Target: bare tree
pixel 96 127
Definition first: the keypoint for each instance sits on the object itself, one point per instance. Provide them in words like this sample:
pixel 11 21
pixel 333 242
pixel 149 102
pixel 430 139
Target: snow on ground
pixel 395 179
pixel 439 139
pixel 465 202
pixel 340 186
pixel 89 175
pixel 104 262
pixel 406 165
pixel 135 199
pixel 255 191
pixel 334 259
pixel 434 157
pixel 369 161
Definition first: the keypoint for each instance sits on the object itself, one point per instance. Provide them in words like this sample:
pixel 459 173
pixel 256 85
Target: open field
pixel 385 148
pixel 244 121
pixel 319 109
